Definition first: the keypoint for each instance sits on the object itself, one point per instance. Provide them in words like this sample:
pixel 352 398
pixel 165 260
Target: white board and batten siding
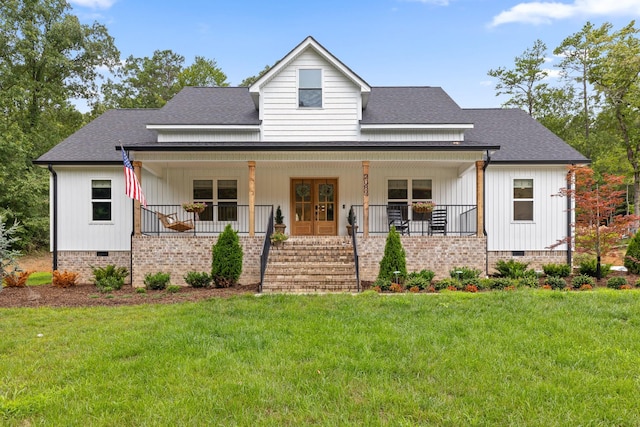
pixel 337 120
pixel 549 210
pixel 76 229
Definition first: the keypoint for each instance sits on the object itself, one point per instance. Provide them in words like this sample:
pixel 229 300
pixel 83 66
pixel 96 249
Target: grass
pixel 528 357
pixel 39 278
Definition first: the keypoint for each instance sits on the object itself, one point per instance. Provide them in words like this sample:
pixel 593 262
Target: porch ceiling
pixel 315 164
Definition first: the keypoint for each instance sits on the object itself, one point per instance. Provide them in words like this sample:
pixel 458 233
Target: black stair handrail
pixel 266 247
pixel 354 242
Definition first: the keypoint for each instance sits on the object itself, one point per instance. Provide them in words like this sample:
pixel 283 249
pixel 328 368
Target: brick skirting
pixel 535 259
pixel 81 262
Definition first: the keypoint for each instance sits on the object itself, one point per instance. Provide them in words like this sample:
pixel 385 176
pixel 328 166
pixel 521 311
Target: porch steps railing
pixel 311 264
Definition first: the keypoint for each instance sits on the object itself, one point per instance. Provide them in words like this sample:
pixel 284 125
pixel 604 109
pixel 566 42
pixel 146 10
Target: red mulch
pixel 88 295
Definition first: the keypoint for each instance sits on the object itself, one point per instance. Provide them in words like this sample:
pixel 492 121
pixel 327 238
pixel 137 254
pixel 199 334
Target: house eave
pixel 407 126
pixel 169 127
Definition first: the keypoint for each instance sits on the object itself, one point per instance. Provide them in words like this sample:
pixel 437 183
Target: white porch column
pixel 252 197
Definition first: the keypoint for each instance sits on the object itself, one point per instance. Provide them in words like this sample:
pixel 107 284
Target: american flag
pixel 132 185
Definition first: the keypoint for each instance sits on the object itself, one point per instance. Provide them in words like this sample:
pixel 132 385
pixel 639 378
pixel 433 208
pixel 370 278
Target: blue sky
pixel 446 43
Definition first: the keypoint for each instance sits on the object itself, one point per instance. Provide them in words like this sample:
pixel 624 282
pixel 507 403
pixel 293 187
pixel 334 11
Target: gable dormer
pixel 309 95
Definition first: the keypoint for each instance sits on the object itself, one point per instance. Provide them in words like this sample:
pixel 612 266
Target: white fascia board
pixel 255 128
pixel 415 126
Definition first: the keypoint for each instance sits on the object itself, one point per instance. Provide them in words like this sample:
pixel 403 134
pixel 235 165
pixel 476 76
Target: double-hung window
pixel 404 192
pixel 310 88
pixel 101 199
pixel 226 192
pixel 523 199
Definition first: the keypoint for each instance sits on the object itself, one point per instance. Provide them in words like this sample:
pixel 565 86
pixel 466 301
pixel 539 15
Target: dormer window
pixel 310 88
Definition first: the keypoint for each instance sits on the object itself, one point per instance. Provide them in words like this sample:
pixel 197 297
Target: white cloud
pixel 486 83
pixel 94 4
pixel 539 12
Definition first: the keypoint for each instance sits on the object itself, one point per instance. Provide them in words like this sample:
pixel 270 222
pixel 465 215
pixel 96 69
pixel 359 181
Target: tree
pixel 47 58
pixel 203 72
pixel 394 258
pixel 523 82
pixel 599 226
pixel 251 80
pixel 615 75
pixel 8 255
pixel 151 82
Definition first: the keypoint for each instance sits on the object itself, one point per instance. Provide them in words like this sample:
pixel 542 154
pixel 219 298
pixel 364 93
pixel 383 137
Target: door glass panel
pixel 326 197
pixel 303 201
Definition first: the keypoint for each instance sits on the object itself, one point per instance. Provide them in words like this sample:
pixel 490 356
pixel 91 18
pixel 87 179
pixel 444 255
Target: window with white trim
pixel 101 199
pixel 203 193
pixel 310 88
pixel 523 199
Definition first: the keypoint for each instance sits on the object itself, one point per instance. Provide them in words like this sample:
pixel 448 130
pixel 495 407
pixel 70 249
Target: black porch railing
pixel 447 220
pixel 266 247
pixel 212 220
pixel 356 259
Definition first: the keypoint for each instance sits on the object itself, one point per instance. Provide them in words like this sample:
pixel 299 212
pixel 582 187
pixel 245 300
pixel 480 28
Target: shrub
pixel 141 290
pixel 501 282
pixel 414 289
pixel 555 282
pixel 484 283
pixel 382 284
pixel 157 281
pixel 588 267
pixel 394 258
pixel 585 288
pixel 425 274
pixel 197 280
pixel 579 281
pixel 17 279
pixel 616 282
pixel 511 269
pixel 637 283
pixel 109 276
pixel 632 256
pixel 226 265
pixel 172 289
pixel 8 256
pixel 473 281
pixel 417 281
pixel 64 279
pixel 529 281
pixel 445 283
pixel 396 288
pixel 463 273
pixel 557 270
pixel 471 288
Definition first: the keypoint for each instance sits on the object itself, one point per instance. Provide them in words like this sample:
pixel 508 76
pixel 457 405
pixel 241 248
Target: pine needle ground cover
pixel 529 357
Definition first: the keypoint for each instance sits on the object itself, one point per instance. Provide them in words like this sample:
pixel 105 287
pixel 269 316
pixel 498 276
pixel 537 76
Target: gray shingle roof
pixel 412 105
pixel 209 105
pixel 96 141
pixel 521 138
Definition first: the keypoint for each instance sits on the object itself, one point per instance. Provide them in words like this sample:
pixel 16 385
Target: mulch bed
pixel 87 295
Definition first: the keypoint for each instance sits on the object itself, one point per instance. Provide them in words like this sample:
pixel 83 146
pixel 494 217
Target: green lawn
pixel 529 357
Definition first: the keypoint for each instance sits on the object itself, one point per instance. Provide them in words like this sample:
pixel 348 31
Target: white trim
pixel 255 128
pixel 416 126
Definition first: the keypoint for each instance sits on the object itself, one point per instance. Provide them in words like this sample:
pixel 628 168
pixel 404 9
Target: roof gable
pixel 308 44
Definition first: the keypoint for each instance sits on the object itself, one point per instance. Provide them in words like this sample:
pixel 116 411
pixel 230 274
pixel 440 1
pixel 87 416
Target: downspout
pixel 54 217
pixel 484 209
pixel 569 228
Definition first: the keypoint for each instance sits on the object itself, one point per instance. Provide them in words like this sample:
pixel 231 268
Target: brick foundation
pixel 535 259
pixel 81 262
pixel 436 253
pixel 177 255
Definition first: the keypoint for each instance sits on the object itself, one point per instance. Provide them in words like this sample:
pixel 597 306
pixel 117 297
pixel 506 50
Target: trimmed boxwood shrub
pixel 226 265
pixel 616 282
pixel 582 279
pixel 557 270
pixel 445 283
pixel 511 269
pixel 197 280
pixel 556 282
pixel 463 273
pixel 157 281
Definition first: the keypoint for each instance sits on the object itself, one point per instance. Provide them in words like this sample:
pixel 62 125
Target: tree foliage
pixel 599 225
pixel 8 253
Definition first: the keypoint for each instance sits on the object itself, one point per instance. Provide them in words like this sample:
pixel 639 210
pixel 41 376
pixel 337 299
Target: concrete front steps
pixel 311 264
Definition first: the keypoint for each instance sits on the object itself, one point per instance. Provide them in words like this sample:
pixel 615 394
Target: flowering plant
pixel 194 207
pixel 278 237
pixel 423 207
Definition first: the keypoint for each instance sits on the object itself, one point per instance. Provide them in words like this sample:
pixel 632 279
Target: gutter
pixel 484 211
pixel 54 217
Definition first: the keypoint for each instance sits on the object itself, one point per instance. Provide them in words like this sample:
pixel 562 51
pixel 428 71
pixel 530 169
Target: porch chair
pixel 171 222
pixel 394 214
pixel 438 223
